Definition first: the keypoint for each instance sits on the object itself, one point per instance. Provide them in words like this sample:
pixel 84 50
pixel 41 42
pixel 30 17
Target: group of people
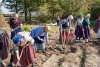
pixel 82 30
pixel 25 44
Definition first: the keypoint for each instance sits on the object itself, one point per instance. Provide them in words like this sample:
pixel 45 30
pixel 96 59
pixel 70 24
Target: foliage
pixel 95 10
pixel 49 9
pixel 26 29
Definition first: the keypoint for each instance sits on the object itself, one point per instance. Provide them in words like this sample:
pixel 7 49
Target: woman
pixel 64 31
pixel 39 34
pixel 5 45
pixel 97 28
pixel 15 24
pixel 58 20
pixel 86 27
pixel 78 30
pixel 25 46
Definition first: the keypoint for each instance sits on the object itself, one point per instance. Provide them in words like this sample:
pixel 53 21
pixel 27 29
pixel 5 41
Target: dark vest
pixel 65 25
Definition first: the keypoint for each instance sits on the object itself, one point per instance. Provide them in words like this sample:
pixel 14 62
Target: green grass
pixel 60 66
pixel 53 30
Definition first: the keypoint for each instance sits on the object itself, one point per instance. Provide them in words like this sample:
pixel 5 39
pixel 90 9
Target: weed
pixel 80 56
pixel 60 66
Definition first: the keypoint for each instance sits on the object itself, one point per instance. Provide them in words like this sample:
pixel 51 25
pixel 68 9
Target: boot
pixel 32 64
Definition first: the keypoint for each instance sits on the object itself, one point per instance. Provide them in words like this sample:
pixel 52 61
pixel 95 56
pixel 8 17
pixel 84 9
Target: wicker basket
pixel 74 49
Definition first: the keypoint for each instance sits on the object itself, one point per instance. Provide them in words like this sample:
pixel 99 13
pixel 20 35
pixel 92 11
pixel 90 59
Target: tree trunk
pixel 30 17
pixel 16 7
pixel 25 7
pixel 53 14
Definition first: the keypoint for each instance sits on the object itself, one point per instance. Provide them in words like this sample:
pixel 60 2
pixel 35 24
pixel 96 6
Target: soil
pixel 87 55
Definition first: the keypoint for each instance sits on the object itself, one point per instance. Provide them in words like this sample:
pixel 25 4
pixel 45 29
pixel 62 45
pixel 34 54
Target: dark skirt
pixel 78 31
pixel 86 32
pixel 6 46
pixel 64 37
pixel 28 56
pixel 13 33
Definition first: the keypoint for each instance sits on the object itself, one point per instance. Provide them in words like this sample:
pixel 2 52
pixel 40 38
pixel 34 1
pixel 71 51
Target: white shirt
pixel 79 22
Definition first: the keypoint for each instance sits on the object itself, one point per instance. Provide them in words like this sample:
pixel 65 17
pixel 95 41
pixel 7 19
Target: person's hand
pixel 89 27
pixel 60 30
pixel 48 43
pixel 42 40
pixel 82 29
pixel 21 24
pixel 11 29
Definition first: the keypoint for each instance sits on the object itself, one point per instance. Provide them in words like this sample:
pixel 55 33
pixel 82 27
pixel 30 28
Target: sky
pixel 4 10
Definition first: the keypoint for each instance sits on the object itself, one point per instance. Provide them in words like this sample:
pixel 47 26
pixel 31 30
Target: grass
pixel 80 56
pixel 53 30
pixel 60 66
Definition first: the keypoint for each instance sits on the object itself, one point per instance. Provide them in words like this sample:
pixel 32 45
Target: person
pixel 5 46
pixel 78 30
pixel 72 36
pixel 24 53
pixel 86 27
pixel 39 35
pixel 58 20
pixel 64 31
pixel 97 28
pixel 15 25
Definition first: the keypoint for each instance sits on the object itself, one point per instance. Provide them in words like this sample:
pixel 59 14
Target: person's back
pixel 35 30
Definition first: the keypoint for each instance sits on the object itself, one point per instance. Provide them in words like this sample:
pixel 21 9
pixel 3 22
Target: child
pixel 72 36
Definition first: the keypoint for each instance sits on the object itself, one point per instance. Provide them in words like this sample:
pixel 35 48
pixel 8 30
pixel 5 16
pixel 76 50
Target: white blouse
pixel 79 22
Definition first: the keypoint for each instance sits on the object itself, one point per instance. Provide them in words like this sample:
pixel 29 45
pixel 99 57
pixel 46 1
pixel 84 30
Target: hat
pixel 47 27
pixel 17 39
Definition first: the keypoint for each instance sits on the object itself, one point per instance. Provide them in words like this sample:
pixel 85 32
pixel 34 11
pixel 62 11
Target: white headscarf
pixel 70 17
pixel 27 36
pixel 88 15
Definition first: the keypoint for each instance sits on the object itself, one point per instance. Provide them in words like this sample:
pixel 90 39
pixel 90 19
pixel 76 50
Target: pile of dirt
pixel 3 23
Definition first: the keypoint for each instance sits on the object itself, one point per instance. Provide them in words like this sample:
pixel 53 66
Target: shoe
pixel 10 65
pixel 87 40
pixel 83 42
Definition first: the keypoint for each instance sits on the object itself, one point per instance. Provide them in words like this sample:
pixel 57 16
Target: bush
pixel 26 29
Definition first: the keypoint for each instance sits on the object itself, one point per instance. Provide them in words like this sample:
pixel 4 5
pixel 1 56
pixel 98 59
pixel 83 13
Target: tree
pixel 1 4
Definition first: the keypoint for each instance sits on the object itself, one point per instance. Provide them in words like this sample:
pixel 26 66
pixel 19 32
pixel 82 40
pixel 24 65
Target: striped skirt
pixel 64 38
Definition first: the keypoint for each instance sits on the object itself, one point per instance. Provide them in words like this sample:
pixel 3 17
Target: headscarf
pixel 70 17
pixel 80 16
pixel 87 15
pixel 17 39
